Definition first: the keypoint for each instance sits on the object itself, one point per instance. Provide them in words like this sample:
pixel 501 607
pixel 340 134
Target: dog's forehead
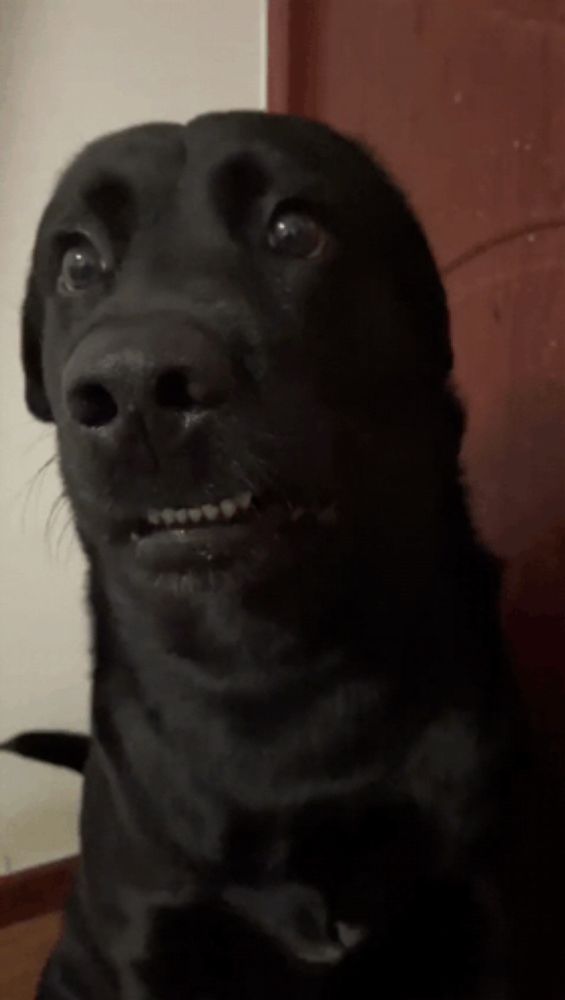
pixel 160 156
pixel 141 156
pixel 282 139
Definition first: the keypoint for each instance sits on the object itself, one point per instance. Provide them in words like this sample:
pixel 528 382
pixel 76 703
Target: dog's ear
pixel 423 293
pixel 32 331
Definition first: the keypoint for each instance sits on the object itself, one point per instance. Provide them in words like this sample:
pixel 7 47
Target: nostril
pixel 91 405
pixel 173 390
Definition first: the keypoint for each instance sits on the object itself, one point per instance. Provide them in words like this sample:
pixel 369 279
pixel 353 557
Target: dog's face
pixel 231 323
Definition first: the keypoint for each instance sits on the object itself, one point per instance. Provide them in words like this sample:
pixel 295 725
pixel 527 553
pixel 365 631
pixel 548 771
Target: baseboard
pixel 36 891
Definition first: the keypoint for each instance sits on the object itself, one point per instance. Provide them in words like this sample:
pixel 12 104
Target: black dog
pixel 304 731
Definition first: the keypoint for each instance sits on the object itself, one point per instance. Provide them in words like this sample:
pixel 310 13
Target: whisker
pixel 29 489
pixel 39 439
pixel 65 534
pixel 57 507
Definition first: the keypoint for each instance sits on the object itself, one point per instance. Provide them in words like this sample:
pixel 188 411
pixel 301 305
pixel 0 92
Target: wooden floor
pixel 23 950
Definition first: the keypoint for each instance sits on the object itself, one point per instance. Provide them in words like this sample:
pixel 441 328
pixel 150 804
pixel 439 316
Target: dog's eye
pixel 297 234
pixel 81 268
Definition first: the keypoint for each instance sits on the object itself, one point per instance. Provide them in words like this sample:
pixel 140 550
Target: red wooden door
pixel 465 102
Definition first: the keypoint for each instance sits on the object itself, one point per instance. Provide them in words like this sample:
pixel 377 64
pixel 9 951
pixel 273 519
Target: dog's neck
pixel 213 629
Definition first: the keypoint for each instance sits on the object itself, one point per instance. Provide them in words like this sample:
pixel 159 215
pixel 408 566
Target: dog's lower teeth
pixel 195 515
pixel 210 512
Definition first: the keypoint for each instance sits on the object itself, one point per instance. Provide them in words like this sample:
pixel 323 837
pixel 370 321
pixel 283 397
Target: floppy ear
pixel 32 327
pixel 424 293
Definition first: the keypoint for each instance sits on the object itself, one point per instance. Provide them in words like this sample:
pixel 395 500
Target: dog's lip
pixel 173 542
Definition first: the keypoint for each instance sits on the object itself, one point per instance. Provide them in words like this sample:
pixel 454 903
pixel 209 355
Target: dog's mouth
pixel 167 537
pixel 241 509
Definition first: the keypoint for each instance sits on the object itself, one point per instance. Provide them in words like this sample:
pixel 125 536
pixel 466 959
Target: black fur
pixel 304 734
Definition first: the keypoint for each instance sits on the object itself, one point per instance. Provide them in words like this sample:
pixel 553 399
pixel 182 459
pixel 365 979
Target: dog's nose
pixel 96 400
pixel 166 384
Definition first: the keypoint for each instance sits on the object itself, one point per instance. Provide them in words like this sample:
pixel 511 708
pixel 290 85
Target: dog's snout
pixel 164 380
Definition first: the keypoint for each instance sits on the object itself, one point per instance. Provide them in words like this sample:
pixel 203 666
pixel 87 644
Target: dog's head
pixel 240 334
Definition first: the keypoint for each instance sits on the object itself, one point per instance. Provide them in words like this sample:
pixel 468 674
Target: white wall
pixel 70 70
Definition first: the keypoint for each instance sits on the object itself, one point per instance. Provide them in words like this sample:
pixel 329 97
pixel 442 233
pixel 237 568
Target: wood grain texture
pixel 24 948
